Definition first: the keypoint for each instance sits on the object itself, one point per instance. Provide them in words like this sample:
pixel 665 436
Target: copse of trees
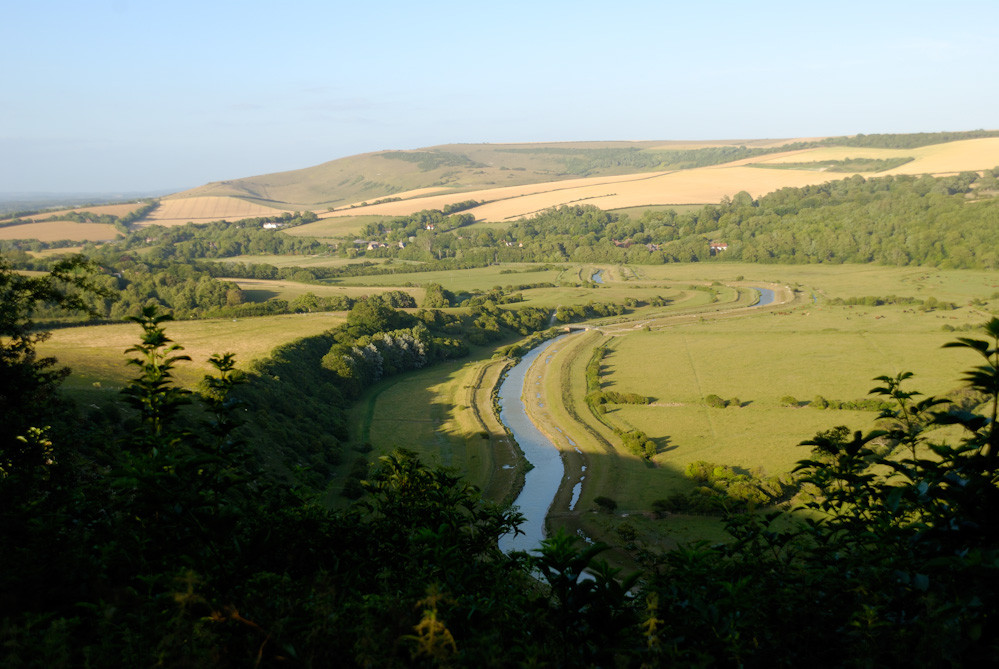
pixel 906 141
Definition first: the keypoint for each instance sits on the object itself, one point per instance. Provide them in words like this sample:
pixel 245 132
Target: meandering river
pixel 542 482
pixel 767 296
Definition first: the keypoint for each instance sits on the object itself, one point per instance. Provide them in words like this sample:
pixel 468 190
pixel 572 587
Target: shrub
pixel 715 401
pixel 606 504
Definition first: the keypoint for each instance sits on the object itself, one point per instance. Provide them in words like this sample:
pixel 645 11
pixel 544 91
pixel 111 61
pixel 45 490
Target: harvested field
pixel 206 209
pixel 110 209
pixel 696 186
pixel 406 207
pixel 707 184
pixel 52 231
pixel 971 154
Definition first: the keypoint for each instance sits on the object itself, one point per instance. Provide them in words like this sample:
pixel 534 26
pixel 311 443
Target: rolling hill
pixel 510 181
pixel 514 180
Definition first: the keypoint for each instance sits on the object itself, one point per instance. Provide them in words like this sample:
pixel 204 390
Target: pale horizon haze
pixel 121 95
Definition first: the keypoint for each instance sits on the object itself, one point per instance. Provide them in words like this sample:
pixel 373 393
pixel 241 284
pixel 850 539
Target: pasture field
pixel 320 260
pixel 431 412
pixel 205 209
pixel 48 253
pixel 260 290
pixel 830 281
pixel 478 278
pixel 758 364
pixel 53 231
pixel 95 353
pixel 331 228
pixel 637 211
pixel 803 351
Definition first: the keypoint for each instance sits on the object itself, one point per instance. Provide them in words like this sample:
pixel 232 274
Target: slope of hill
pixel 513 180
pixel 509 181
pixel 463 167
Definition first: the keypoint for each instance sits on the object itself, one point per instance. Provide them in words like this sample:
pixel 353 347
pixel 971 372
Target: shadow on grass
pixel 258 295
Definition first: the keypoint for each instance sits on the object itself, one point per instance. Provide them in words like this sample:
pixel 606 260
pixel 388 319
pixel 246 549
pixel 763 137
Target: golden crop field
pixel 971 154
pixel 405 195
pixel 205 209
pixel 504 193
pixel 52 231
pixel 111 209
pixel 696 186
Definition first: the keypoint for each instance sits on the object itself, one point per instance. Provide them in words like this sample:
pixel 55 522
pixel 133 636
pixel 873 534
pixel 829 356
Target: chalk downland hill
pixel 511 181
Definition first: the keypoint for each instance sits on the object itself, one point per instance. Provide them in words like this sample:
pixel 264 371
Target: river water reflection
pixel 542 482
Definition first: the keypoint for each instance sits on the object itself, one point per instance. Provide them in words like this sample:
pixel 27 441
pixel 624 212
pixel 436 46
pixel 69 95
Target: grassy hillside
pixel 450 167
pixel 514 180
pixel 510 181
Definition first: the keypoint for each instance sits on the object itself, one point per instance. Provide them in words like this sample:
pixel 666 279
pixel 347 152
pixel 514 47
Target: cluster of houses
pixel 371 246
pixel 715 247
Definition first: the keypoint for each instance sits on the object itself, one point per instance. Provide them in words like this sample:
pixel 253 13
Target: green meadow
pixel 478 278
pixel 318 260
pixel 334 227
pixel 261 290
pixel 96 353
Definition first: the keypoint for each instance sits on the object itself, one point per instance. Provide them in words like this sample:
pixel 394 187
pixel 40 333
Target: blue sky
pixel 122 95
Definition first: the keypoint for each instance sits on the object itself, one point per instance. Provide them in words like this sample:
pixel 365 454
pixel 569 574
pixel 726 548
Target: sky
pixel 130 95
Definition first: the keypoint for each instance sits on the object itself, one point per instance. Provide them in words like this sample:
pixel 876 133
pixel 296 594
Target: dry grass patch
pixel 110 209
pixel 500 194
pixel 96 352
pixel 53 231
pixel 967 155
pixel 179 211
pixel 950 157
